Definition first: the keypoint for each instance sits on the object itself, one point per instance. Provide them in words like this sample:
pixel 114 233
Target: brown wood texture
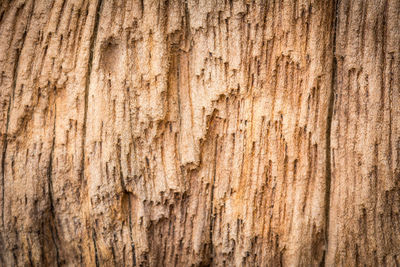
pixel 200 133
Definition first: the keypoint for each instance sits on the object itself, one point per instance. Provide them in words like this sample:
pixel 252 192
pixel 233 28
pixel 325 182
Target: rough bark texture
pixel 364 221
pixel 223 133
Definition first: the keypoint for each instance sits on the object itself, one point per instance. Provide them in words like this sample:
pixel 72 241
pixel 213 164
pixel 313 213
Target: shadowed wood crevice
pixel 88 77
pixel 330 113
pixel 53 219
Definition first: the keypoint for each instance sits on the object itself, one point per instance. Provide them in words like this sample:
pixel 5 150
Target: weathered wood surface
pixel 226 133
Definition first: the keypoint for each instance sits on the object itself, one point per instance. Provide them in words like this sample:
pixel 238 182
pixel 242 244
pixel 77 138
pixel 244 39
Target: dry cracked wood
pixel 179 133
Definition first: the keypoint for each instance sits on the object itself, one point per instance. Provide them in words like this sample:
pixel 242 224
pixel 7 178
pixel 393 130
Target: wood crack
pixel 3 162
pixel 88 76
pixel 212 200
pixel 94 237
pixel 328 167
pixel 53 227
pixel 129 195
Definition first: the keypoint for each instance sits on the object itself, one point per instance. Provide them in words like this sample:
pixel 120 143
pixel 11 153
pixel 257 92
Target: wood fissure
pixel 88 77
pixel 96 256
pixel 329 120
pixel 53 219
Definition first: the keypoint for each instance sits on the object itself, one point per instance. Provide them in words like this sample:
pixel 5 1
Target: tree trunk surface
pixel 200 133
